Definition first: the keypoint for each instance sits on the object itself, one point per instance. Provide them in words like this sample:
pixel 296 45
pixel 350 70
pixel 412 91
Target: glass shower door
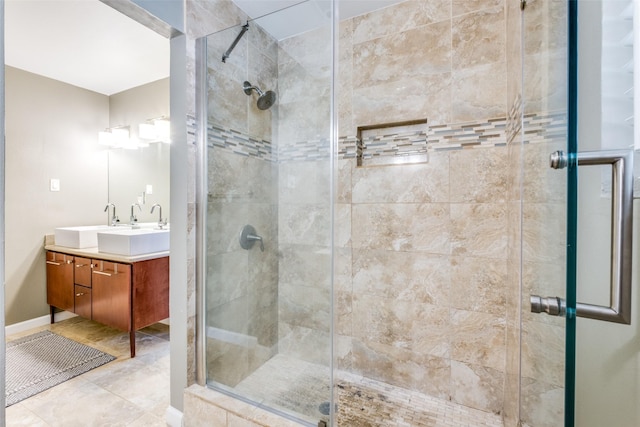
pixel 587 218
pixel 548 217
pixel 268 234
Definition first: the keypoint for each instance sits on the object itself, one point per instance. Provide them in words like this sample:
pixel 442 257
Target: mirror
pixel 139 175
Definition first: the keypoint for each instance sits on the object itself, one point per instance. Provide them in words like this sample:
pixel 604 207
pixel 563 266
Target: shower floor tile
pixel 363 402
pixel 300 388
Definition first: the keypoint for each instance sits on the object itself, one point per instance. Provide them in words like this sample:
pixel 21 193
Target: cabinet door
pixel 83 301
pixel 60 281
pixel 111 294
pixel 82 271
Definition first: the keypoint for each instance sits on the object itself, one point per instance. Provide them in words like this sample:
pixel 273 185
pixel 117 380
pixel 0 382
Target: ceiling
pixel 298 16
pixel 84 43
pixel 88 44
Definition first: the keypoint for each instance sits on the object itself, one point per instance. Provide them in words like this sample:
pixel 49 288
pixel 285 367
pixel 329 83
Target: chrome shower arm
pixel 244 29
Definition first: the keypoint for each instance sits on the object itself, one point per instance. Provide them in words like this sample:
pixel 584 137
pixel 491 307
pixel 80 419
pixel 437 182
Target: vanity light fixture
pixel 120 136
pixel 147 131
pixel 114 137
pixel 155 130
pixel 105 137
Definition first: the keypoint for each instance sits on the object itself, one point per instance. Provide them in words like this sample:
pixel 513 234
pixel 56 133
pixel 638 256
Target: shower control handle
pixel 258 238
pixel 249 237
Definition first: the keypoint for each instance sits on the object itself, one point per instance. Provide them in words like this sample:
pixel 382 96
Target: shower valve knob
pixel 249 237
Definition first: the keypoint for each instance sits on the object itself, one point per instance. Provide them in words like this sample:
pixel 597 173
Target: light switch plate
pixel 54 184
pixel 149 189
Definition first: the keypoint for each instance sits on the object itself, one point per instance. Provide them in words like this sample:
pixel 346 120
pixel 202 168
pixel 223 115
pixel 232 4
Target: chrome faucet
pixel 132 219
pixel 161 222
pixel 113 221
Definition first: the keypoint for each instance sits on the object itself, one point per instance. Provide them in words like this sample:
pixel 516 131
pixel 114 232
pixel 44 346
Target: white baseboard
pixel 173 417
pixel 17 328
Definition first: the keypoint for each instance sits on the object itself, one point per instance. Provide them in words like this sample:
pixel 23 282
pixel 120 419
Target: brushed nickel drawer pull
pixel 80 294
pixel 53 263
pixel 81 265
pixel 102 272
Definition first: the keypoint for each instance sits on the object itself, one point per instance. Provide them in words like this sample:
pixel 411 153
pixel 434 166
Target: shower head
pixel 265 100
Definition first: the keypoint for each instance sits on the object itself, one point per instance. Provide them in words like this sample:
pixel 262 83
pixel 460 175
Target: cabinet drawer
pixel 60 281
pixel 83 301
pixel 82 271
pixel 111 294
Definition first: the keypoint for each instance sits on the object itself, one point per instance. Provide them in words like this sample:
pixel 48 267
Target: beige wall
pixel 608 360
pixel 51 132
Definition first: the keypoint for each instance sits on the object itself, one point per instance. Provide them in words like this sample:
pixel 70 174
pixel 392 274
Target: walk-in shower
pixel 363 240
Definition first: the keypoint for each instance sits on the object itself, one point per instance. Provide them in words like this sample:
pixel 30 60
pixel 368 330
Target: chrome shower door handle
pixel 619 309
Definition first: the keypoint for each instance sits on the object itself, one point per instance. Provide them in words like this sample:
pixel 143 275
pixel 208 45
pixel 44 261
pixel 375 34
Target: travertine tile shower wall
pixel 423 263
pixel 304 197
pixel 511 409
pixel 242 284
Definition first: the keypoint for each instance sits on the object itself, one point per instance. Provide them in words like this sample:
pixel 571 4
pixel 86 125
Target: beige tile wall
pixel 426 303
pixel 427 248
pixel 514 49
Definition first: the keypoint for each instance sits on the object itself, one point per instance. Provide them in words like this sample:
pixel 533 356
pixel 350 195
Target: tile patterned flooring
pixel 295 386
pixel 364 402
pixel 125 392
pixel 135 392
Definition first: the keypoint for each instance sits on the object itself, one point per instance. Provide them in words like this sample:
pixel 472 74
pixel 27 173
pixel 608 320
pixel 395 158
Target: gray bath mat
pixel 42 360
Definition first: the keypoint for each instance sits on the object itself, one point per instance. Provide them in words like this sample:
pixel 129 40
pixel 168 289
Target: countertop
pixel 49 245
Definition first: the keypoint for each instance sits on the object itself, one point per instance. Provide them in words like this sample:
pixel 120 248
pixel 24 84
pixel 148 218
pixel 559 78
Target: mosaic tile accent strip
pixel 496 132
pixel 551 127
pixel 318 149
pixel 490 133
pixel 238 142
pixel 514 119
pixel 538 128
pixel 191 129
pixel 348 147
pixel 407 143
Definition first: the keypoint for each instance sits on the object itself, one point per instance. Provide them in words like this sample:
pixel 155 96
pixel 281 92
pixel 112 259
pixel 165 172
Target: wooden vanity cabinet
pixel 124 296
pixel 83 301
pixel 82 281
pixel 60 287
pixel 111 283
pixel 82 271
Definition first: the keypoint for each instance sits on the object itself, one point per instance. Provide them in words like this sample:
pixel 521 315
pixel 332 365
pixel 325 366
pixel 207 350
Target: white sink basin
pixel 133 242
pixel 78 237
